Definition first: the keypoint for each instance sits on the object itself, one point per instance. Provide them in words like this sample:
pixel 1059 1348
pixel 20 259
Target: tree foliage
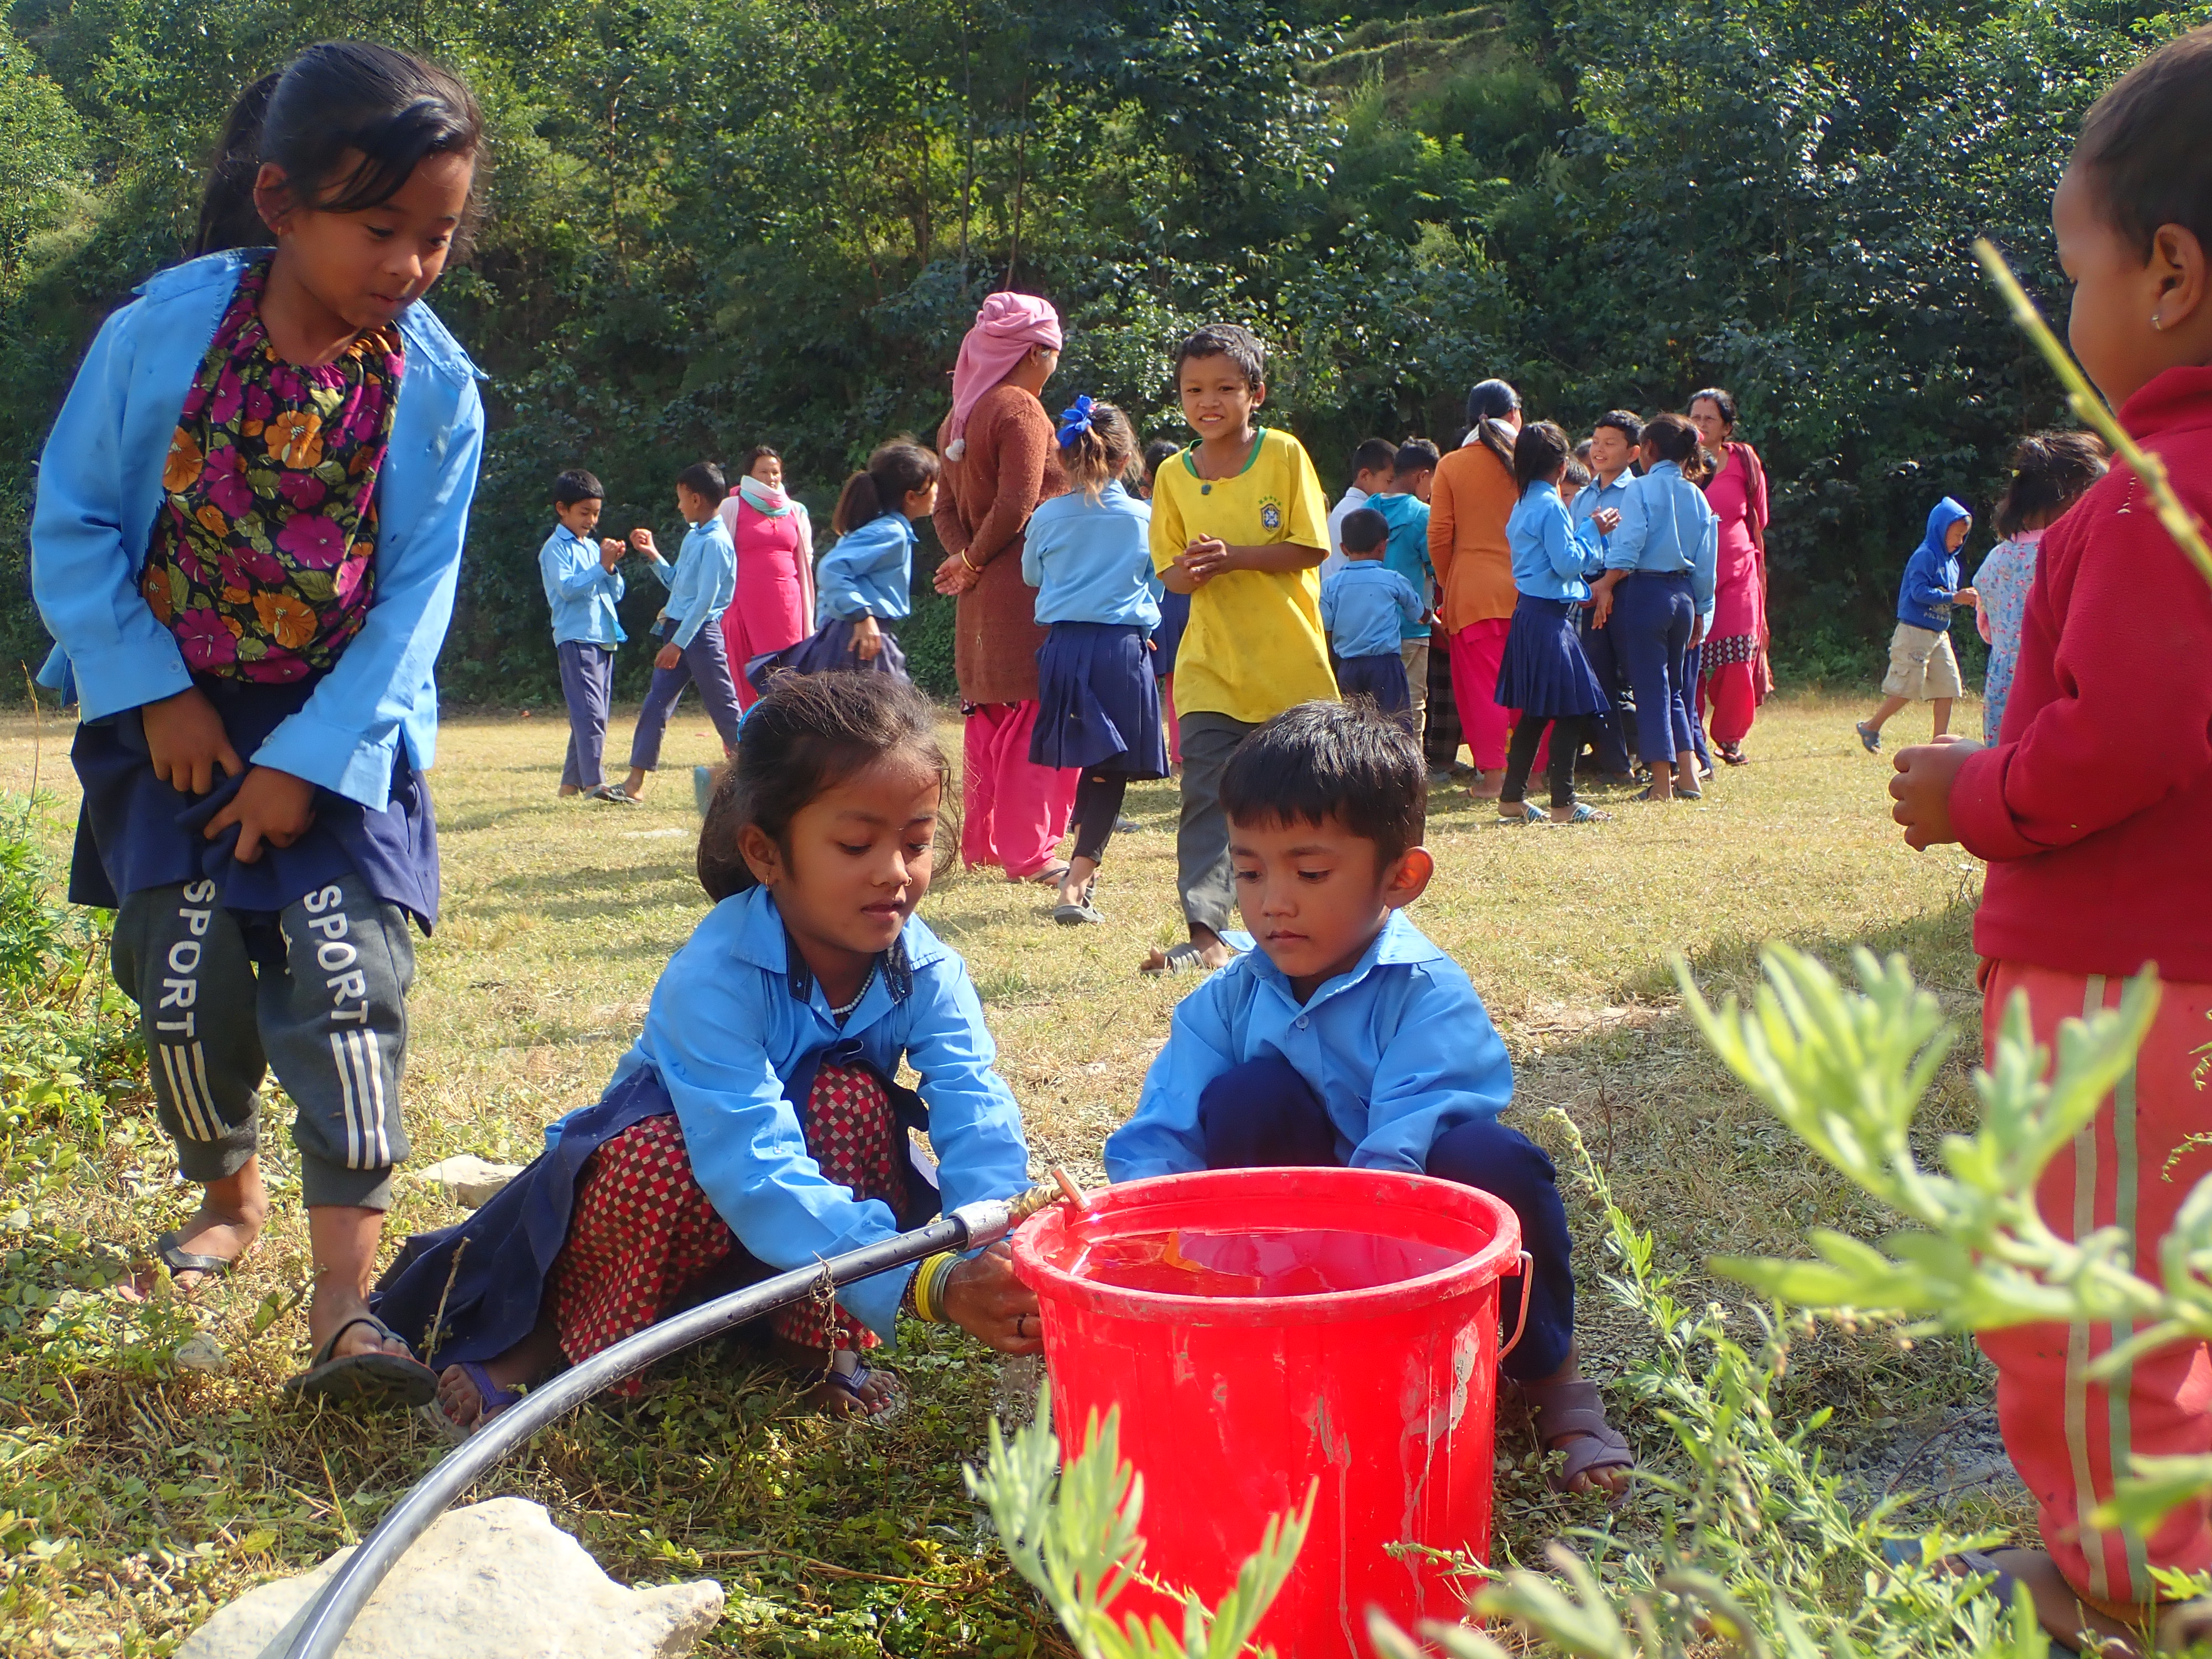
pixel 770 221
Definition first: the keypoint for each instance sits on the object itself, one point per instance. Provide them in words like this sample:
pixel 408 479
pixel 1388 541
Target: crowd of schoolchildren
pixel 249 524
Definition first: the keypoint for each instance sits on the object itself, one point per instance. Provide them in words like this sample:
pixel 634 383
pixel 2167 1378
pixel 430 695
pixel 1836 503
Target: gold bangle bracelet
pixel 969 562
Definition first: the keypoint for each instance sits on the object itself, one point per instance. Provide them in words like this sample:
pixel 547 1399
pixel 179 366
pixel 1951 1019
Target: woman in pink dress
pixel 774 606
pixel 1735 677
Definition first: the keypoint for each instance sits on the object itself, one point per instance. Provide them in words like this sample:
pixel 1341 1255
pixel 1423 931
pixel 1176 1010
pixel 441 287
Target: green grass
pixel 135 1496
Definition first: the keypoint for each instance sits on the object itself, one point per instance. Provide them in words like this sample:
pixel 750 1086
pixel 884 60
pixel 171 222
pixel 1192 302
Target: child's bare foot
pixel 1202 953
pixel 471 1394
pixel 1487 786
pixel 569 789
pixel 228 1220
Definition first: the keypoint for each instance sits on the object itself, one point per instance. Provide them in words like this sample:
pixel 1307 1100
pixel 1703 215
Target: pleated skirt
pixel 1544 671
pixel 1098 704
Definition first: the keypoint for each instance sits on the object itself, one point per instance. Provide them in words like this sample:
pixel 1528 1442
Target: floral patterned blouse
pixel 261 561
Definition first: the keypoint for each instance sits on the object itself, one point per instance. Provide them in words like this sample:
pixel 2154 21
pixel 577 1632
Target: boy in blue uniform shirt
pixel 1405 508
pixel 1348 1038
pixel 582 588
pixel 701 585
pixel 1366 609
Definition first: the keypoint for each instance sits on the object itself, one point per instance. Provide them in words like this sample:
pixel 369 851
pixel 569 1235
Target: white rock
pixel 493 1581
pixel 203 1353
pixel 470 1181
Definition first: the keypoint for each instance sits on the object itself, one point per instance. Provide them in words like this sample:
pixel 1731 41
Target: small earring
pixel 2157 323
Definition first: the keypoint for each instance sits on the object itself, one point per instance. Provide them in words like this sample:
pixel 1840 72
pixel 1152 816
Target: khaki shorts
pixel 1922 666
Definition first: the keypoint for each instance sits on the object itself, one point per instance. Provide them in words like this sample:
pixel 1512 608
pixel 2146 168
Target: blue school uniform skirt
pixel 1544 671
pixel 1383 678
pixel 827 650
pixel 1098 704
pixel 134 832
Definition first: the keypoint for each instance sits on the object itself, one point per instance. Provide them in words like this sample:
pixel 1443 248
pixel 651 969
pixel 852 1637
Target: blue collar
pixel 1399 942
pixel 762 941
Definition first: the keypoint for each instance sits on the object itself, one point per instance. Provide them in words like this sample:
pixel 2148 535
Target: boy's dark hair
pixel 1363 531
pixel 1577 474
pixel 577 485
pixel 1373 455
pixel 704 478
pixel 1414 455
pixel 1230 340
pixel 2149 142
pixel 1538 451
pixel 894 472
pixel 1157 451
pixel 1346 761
pixel 1625 422
pixel 2050 470
pixel 807 734
pixel 1101 452
pixel 1583 451
pixel 337 100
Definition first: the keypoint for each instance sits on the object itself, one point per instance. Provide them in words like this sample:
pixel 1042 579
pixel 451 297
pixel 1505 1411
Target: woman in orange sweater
pixel 1473 495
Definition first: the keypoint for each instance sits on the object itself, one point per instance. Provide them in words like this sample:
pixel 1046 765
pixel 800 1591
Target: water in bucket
pixel 1260 1328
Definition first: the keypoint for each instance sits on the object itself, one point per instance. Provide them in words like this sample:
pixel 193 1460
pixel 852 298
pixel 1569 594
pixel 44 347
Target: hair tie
pixel 1075 420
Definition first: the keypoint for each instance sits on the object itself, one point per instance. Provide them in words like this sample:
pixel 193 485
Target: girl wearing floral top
pixel 2049 472
pixel 249 523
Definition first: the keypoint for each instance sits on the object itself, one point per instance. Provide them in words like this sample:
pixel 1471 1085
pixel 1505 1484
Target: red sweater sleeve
pixel 2112 660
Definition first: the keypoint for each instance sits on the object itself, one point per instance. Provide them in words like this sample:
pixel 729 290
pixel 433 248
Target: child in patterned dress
pixel 2050 471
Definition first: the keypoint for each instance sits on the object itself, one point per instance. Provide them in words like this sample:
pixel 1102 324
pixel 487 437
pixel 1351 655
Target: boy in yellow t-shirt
pixel 1240 524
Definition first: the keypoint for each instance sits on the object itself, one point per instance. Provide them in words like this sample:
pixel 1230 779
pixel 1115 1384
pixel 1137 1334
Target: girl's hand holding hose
pixel 983 1298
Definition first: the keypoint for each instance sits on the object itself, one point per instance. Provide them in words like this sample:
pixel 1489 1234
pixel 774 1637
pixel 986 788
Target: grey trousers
pixel 706 661
pixel 1202 871
pixel 320 995
pixel 587 684
pixel 1414 653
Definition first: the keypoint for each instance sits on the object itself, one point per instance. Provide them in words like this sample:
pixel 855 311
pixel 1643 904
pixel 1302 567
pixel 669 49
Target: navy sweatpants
pixel 1609 732
pixel 1653 617
pixel 1263 1114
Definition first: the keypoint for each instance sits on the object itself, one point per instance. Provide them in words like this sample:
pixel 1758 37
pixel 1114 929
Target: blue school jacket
pixel 724 1030
pixel 1365 609
pixel 868 572
pixel 1091 561
pixel 702 582
pixel 581 592
pixel 100 486
pixel 1400 1049
pixel 1668 527
pixel 1552 557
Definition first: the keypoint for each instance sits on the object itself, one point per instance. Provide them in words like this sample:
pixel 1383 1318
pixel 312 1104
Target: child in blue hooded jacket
pixel 1923 667
pixel 249 524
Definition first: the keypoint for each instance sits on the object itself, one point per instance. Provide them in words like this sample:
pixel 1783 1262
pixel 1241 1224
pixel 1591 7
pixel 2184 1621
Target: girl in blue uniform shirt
pixel 754 1128
pixel 1659 565
pixel 1088 554
pixel 250 516
pixel 1544 673
pixel 866 579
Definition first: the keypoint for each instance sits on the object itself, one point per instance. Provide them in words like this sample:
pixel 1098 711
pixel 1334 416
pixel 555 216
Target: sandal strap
pixel 171 1255
pixel 329 1351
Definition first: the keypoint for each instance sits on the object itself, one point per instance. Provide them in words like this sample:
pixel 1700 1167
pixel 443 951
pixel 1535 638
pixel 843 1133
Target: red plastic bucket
pixel 1349 1333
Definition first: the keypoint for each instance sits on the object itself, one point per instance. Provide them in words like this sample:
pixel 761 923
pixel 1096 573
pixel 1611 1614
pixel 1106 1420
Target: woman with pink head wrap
pixel 999 462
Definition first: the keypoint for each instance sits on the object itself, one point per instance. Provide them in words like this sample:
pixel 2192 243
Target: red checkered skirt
pixel 643 1233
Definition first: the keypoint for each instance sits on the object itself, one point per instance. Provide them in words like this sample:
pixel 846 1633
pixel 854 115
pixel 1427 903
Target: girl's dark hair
pixel 2149 143
pixel 1490 401
pixel 1095 458
pixel 1159 450
pixel 1672 438
pixel 893 473
pixel 337 100
pixel 808 732
pixel 704 478
pixel 1720 400
pixel 1538 453
pixel 2050 470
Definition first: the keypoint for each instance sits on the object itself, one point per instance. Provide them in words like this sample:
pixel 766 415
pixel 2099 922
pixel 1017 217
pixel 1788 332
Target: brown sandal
pixel 1574 1412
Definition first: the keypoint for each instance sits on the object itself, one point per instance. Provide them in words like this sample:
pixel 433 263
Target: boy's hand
pixel 668 656
pixel 1606 520
pixel 1921 788
pixel 271 806
pixel 1207 557
pixel 610 552
pixel 642 539
pixel 1698 632
pixel 186 737
pixel 1966 596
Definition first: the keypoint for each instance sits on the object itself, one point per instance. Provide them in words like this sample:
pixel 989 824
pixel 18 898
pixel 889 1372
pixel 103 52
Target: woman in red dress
pixel 1736 678
pixel 774 606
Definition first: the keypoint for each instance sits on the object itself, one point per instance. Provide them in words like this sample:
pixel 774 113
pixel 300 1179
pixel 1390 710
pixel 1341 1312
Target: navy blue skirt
pixel 1174 617
pixel 491 1294
pixel 1098 705
pixel 1544 671
pixel 827 650
pixel 1381 678
pixel 135 832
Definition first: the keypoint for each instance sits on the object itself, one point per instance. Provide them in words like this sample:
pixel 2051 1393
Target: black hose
pixel 969 1227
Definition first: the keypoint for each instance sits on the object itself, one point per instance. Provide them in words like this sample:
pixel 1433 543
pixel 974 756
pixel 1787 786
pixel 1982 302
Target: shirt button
pixel 1302 1021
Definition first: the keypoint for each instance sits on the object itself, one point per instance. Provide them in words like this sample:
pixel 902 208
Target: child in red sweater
pixel 2094 814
